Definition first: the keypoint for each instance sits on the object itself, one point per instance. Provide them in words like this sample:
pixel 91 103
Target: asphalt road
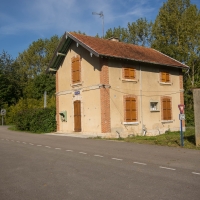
pixel 44 167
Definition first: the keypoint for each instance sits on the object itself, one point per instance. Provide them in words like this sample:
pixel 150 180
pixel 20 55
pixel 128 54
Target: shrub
pixel 36 120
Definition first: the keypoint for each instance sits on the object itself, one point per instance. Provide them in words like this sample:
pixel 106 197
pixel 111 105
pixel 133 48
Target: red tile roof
pixel 108 48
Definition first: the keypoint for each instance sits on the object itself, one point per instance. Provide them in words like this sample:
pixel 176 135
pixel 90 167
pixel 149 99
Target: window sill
pixel 165 83
pixel 76 84
pixel 130 80
pixel 154 110
pixel 130 123
pixel 167 121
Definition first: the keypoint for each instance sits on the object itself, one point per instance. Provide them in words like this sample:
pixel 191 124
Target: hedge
pixel 41 120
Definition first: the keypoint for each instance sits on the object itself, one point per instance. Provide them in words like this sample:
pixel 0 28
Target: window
pixel 76 75
pixel 166 108
pixel 154 106
pixel 129 73
pixel 165 77
pixel 130 109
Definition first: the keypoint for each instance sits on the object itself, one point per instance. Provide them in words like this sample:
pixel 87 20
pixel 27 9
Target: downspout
pixel 141 111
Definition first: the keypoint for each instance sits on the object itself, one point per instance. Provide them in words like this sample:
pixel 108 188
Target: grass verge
pixel 171 139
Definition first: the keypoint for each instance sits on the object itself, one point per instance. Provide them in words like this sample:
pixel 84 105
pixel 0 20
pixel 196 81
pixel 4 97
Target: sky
pixel 24 21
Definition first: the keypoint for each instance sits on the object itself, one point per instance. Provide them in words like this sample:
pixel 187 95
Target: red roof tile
pixel 122 50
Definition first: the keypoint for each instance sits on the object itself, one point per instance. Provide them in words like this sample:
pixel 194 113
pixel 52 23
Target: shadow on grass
pixel 190 139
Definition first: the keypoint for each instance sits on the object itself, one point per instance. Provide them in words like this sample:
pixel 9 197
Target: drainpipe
pixel 141 111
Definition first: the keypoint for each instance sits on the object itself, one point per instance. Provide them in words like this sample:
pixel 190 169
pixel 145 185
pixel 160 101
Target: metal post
pixel 45 99
pixel 2 120
pixel 182 141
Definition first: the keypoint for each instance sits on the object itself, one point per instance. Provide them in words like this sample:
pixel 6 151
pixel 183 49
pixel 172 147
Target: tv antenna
pixel 101 15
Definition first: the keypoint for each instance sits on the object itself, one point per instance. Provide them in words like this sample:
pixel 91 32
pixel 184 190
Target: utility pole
pixel 101 15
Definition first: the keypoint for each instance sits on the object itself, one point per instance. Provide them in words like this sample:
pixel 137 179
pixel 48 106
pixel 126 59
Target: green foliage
pixel 35 87
pixel 138 32
pixel 27 104
pixel 36 120
pixel 36 58
pixel 10 90
pixel 176 33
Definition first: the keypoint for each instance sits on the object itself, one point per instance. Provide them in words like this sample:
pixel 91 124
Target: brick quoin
pixel 181 93
pixel 57 104
pixel 105 97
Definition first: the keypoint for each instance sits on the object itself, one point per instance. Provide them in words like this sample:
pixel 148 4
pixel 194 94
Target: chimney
pixel 115 39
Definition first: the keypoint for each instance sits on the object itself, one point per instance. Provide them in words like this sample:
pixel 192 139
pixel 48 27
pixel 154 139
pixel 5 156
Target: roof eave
pixel 62 48
pixel 143 61
pixel 83 44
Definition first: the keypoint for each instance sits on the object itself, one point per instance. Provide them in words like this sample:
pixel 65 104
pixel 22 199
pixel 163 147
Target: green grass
pixel 14 128
pixel 171 139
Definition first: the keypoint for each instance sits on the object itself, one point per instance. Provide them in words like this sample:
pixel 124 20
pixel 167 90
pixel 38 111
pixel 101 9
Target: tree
pixel 36 58
pixel 10 90
pixel 138 32
pixel 176 32
pixel 35 87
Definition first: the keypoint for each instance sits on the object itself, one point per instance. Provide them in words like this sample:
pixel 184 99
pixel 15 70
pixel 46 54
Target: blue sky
pixel 25 21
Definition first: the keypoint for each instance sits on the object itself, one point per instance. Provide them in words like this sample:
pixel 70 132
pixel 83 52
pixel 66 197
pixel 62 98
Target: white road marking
pixel 139 163
pixel 99 156
pixel 69 150
pixel 39 145
pixel 7 139
pixel 31 144
pixel 24 142
pixel 12 140
pixel 18 141
pixel 2 139
pixel 58 148
pixel 196 173
pixel 82 152
pixel 117 159
pixel 167 168
pixel 47 146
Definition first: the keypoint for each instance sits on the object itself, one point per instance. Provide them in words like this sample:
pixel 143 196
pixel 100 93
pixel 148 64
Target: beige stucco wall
pixel 89 91
pixel 148 83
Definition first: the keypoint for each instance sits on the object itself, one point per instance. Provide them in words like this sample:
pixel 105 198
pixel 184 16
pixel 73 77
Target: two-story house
pixel 106 87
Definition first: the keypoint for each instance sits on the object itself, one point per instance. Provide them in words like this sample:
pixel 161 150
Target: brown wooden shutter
pixel 166 109
pixel 126 73
pixel 128 110
pixel 131 109
pixel 163 76
pixel 168 102
pixel 131 73
pixel 167 77
pixel 75 70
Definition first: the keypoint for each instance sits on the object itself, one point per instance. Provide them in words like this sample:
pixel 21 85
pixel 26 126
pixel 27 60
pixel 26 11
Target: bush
pixel 36 120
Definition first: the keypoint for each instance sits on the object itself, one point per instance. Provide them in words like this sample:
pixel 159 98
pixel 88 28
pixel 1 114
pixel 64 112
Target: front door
pixel 77 116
